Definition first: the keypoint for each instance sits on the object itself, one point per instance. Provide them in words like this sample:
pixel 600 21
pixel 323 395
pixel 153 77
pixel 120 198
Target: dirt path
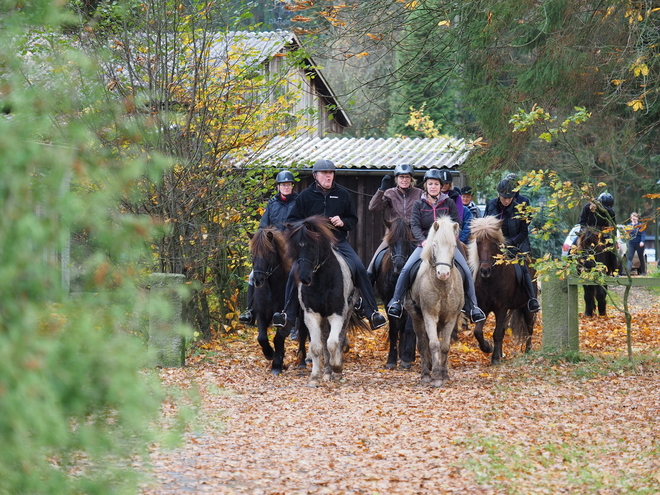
pixel 528 426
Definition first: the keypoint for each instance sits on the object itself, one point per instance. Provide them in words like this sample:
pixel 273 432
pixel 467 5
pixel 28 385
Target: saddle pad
pixel 379 261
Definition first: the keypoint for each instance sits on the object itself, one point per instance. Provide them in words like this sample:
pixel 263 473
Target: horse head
pixel 486 242
pixel 400 243
pixel 268 251
pixel 310 242
pixel 440 246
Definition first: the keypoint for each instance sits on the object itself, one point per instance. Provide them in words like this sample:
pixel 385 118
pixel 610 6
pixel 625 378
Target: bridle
pixel 268 273
pixel 316 265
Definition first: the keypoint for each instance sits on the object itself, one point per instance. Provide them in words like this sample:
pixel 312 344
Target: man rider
pixel 325 197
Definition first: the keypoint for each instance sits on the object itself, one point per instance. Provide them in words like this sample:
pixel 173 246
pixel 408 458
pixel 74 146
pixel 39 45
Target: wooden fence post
pixel 560 325
pixel 166 344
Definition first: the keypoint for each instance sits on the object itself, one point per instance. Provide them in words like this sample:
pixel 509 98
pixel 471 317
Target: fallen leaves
pixel 527 426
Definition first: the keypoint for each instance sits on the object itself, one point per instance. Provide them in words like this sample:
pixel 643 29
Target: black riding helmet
pixel 433 173
pixel 284 176
pixel 445 177
pixel 606 199
pixel 506 189
pixel 404 169
pixel 323 165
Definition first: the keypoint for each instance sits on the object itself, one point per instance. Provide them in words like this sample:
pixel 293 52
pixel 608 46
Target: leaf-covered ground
pixel 531 425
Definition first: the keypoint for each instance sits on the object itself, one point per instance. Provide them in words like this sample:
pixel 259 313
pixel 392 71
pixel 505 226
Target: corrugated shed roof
pixel 368 153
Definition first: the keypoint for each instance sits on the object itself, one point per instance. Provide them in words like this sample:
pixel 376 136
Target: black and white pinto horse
pixel 326 292
pixel 595 251
pixel 435 300
pixel 270 269
pixel 400 244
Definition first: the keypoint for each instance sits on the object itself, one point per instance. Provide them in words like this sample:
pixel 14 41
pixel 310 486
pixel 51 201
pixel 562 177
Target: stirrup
pixel 533 305
pixel 395 309
pixel 476 315
pixel 279 319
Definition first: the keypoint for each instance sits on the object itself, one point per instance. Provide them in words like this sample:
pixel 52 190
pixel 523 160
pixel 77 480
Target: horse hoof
pixel 390 366
pixel 276 372
pixel 426 379
pixel 438 383
pixel 312 384
pixel 406 365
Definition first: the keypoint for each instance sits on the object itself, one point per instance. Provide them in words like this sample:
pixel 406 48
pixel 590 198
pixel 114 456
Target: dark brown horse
pixel 497 287
pixel 400 243
pixel 595 251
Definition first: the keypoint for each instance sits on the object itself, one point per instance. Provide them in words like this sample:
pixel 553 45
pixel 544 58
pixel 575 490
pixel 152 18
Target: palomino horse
pixel 435 300
pixel 595 252
pixel 498 290
pixel 326 293
pixel 270 269
pixel 400 243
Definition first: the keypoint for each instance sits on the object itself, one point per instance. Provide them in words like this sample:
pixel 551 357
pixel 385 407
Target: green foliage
pixel 75 407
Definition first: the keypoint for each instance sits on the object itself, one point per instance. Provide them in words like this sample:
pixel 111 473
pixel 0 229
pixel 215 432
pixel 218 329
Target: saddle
pixel 378 262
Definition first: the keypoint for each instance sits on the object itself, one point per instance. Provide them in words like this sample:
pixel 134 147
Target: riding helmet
pixel 323 165
pixel 505 189
pixel 432 173
pixel 606 199
pixel 445 177
pixel 284 176
pixel 404 169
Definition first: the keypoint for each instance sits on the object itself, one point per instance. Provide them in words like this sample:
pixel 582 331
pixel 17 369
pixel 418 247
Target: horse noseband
pixel 269 272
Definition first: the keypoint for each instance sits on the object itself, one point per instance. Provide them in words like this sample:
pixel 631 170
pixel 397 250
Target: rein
pixel 268 273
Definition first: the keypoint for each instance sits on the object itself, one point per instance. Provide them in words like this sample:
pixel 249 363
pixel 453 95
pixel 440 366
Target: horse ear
pixel 269 234
pixel 436 226
pixel 250 235
pixel 457 229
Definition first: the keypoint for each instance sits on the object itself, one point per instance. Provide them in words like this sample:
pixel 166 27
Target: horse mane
pixel 399 229
pixel 444 234
pixel 315 229
pixel 266 241
pixel 488 228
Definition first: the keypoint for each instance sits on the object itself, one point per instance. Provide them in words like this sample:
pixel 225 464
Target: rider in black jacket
pixel 324 197
pixel 516 232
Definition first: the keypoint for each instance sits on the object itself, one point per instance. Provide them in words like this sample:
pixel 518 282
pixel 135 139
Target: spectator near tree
pixel 637 238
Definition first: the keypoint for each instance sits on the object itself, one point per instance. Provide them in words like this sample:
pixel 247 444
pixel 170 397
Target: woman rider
pixel 426 210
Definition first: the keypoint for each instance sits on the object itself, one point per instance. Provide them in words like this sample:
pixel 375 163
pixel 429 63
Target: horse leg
pixel 434 348
pixel 443 338
pixel 407 344
pixel 601 296
pixel 589 304
pixel 423 347
pixel 334 344
pixel 303 335
pixel 315 347
pixel 392 355
pixel 278 357
pixel 498 336
pixel 262 337
pixel 486 346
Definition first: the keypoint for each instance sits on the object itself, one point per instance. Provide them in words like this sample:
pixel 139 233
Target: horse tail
pixel 517 322
pixel 357 325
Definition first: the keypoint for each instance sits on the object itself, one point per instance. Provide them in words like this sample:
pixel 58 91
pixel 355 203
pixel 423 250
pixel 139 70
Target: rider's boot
pixel 247 318
pixel 532 304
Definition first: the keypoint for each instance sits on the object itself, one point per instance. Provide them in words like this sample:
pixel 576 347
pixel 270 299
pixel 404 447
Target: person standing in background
pixel 636 231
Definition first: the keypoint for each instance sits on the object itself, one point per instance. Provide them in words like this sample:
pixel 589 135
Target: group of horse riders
pixel 417 207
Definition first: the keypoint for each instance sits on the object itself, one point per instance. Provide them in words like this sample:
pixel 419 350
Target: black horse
pixel 400 244
pixel 595 251
pixel 270 269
